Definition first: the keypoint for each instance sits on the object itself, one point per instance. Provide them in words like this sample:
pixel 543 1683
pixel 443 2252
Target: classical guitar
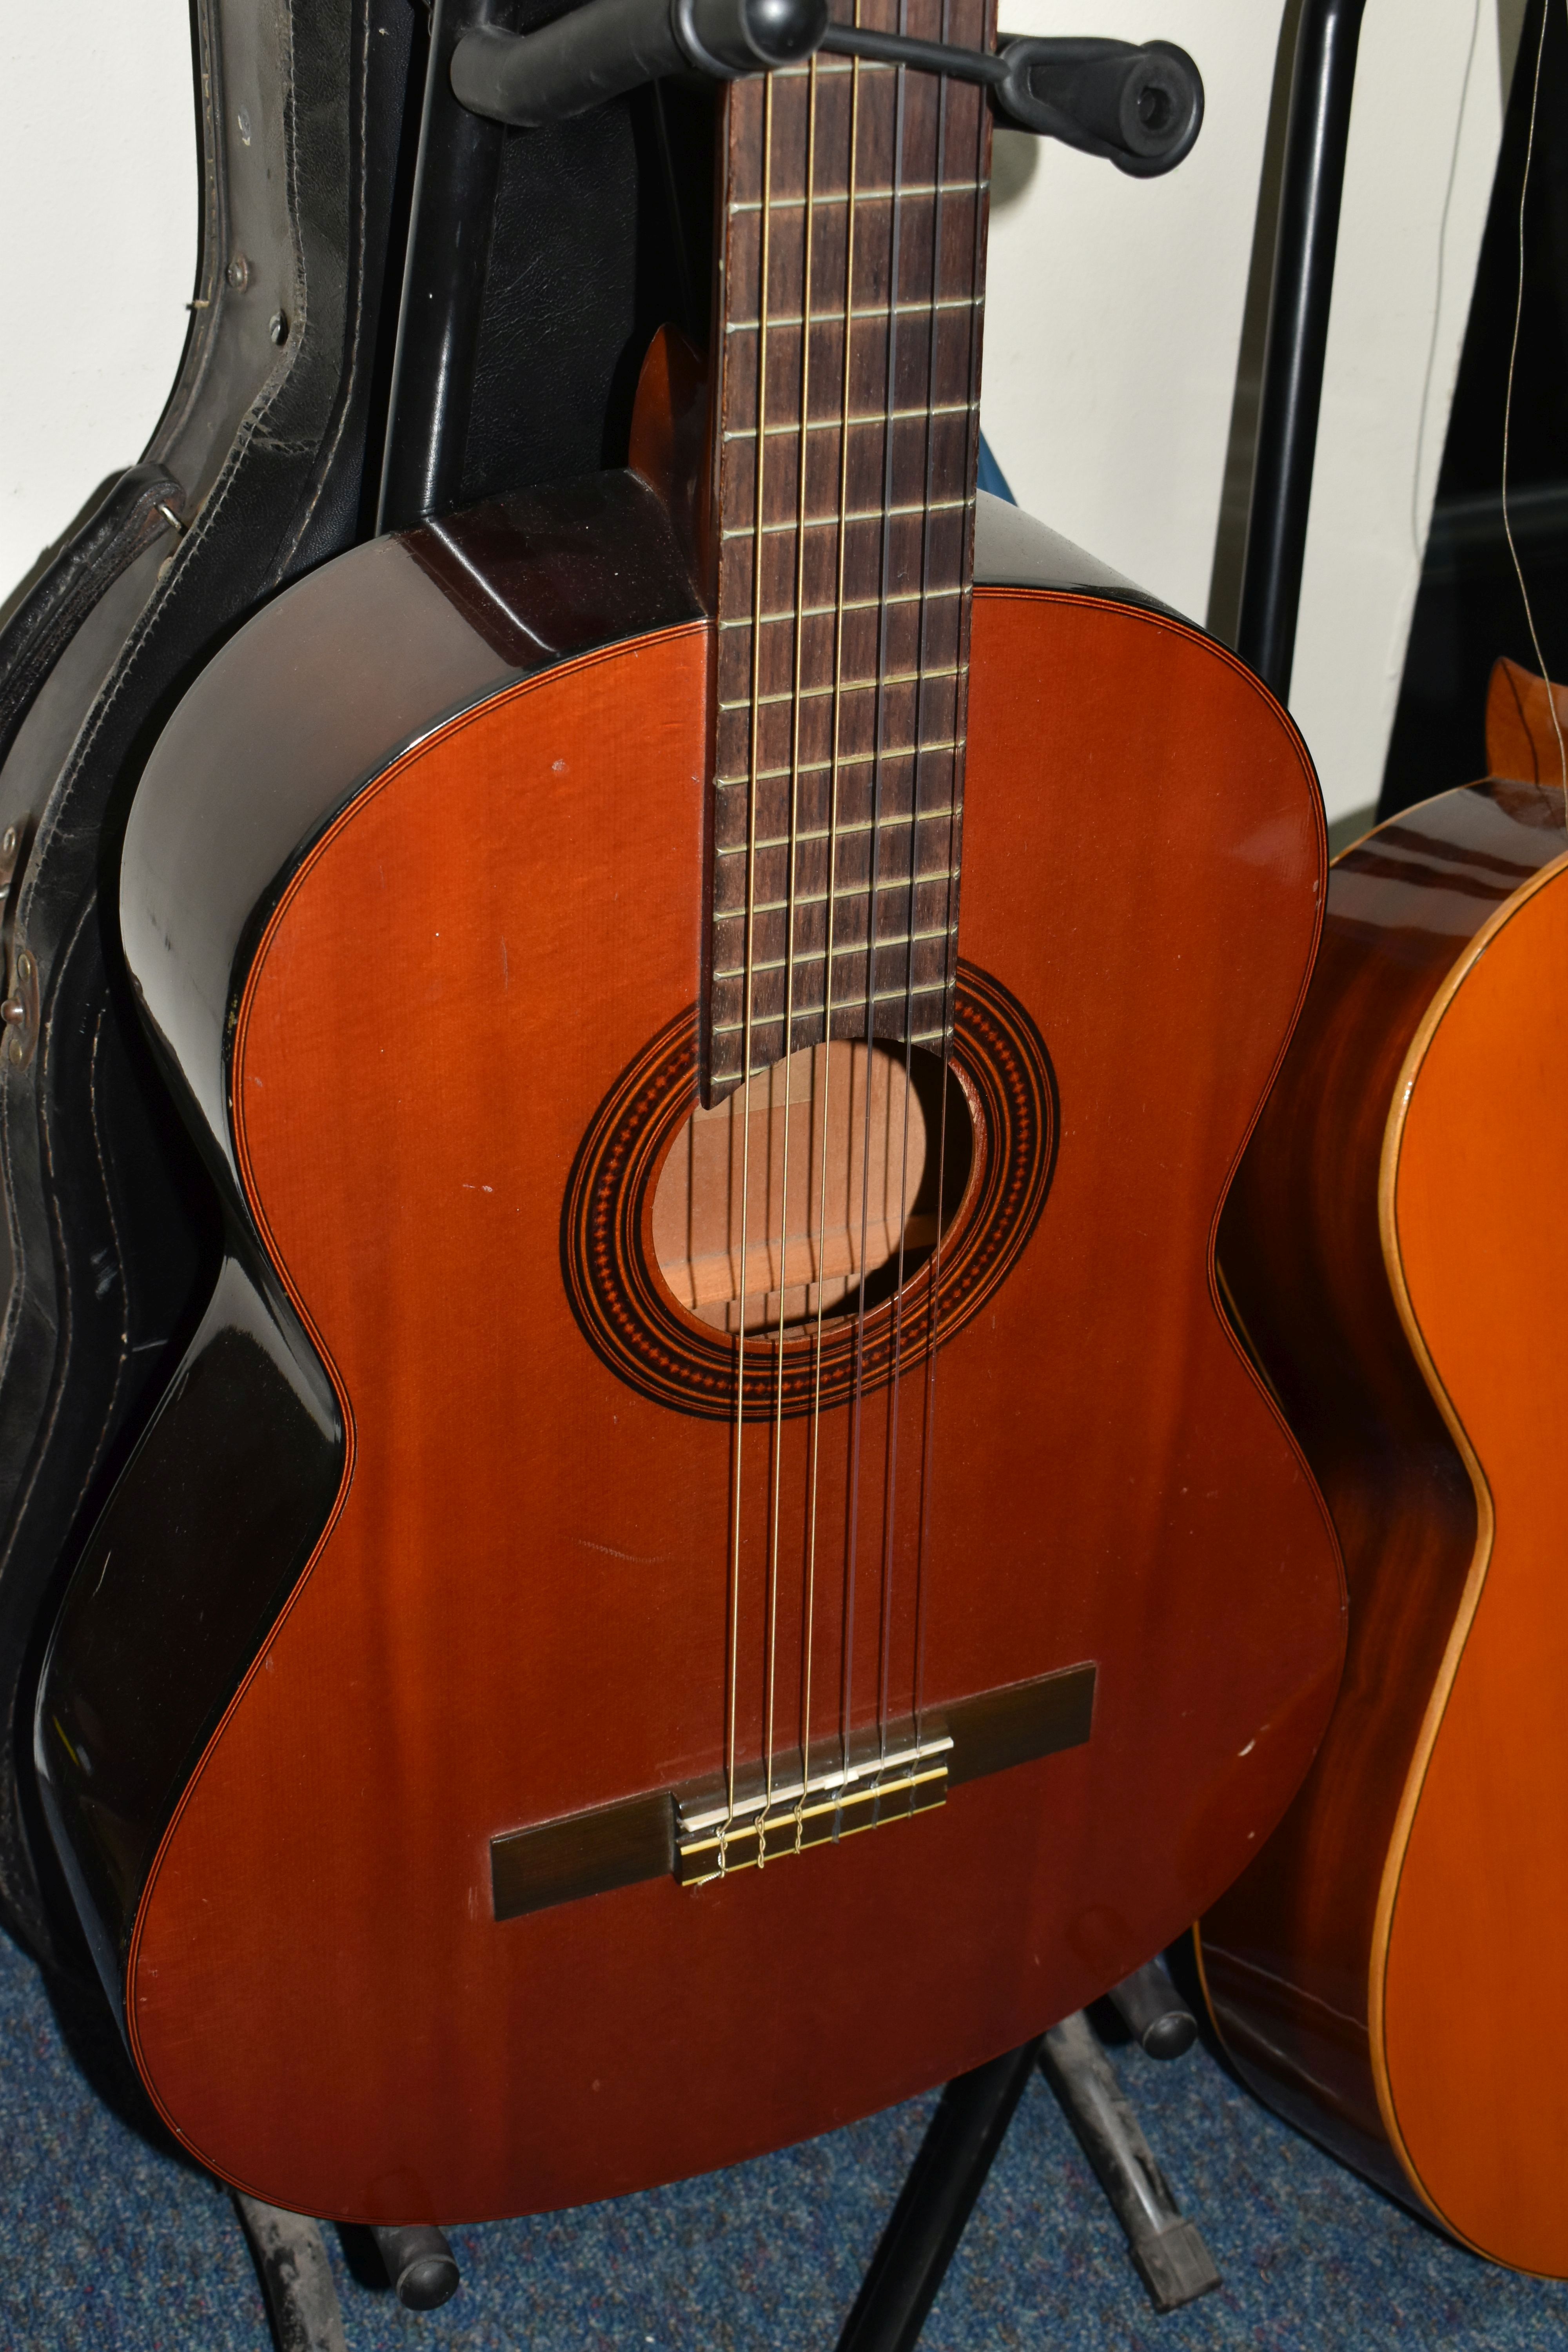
pixel 1394 1247
pixel 715 1559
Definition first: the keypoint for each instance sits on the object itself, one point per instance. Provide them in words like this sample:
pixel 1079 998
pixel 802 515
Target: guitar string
pixel 960 731
pixel 775 1563
pixel 846 390
pixel 889 471
pixel 921 658
pixel 1507 416
pixel 748 982
pixel 879 722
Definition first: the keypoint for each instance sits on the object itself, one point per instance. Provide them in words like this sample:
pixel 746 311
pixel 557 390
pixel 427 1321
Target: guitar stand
pixel 968 2128
pixel 926 2225
pixel 1168 2252
pixel 297 2278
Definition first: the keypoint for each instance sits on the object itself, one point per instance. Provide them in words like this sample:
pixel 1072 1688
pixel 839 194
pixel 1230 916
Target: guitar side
pixel 1383 1254
pixel 513 1611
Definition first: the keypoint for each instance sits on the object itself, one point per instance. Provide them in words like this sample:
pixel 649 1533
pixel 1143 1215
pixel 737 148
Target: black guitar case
pixel 264 462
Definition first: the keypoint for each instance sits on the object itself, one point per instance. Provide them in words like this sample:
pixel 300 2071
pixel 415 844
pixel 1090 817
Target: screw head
pixel 25 965
pixel 277 326
pixel 8 840
pixel 239 273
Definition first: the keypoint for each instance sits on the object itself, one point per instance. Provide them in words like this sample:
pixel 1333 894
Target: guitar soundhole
pixel 832 1161
pixel 650 1220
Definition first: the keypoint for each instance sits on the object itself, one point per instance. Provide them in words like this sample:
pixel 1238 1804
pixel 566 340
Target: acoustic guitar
pixel 1394 1247
pixel 715 1559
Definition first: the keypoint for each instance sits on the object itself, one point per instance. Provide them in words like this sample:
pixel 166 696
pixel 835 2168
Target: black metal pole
pixel 443 287
pixel 1316 138
pixel 936 2203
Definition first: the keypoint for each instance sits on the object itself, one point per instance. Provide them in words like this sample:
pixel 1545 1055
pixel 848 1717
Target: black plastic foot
pixel 419 2262
pixel 296 2277
pixel 936 2203
pixel 1167 2250
pixel 1154 2013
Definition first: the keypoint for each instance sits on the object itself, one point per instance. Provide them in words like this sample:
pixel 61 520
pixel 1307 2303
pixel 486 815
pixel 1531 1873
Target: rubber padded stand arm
pixel 1140 108
pixel 596 52
pixel 1154 2013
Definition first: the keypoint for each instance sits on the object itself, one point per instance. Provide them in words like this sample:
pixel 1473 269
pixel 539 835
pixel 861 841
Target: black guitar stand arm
pixel 1138 107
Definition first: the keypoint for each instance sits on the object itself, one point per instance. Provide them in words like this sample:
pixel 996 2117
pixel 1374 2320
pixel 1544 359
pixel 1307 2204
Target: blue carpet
pixel 109 2244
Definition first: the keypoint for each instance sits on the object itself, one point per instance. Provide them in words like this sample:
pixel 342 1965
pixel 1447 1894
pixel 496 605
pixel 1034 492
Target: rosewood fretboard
pixel 845 446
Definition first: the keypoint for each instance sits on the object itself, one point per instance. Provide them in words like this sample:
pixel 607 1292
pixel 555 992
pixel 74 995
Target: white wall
pixel 1424 143
pixel 98 257
pixel 1115 316
pixel 1114 322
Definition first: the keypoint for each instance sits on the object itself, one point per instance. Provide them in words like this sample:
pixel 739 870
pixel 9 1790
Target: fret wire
pixel 837 67
pixel 864 514
pixel 850 686
pixel 851 604
pixel 846 760
pixel 843 890
pixel 816 955
pixel 814 1012
pixel 820 832
pixel 837 424
pixel 865 195
pixel 790 318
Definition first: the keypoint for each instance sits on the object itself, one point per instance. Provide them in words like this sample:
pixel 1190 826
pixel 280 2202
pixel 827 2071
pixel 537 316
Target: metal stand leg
pixel 296 2277
pixel 927 2224
pixel 419 2262
pixel 1167 2250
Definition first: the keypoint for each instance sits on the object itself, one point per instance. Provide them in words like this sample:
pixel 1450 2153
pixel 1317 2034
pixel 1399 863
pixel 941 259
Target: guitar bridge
pixel 696 1834
pixel 833 1800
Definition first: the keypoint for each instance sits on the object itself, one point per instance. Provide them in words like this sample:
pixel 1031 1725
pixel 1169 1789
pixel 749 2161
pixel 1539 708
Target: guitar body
pixel 431 1541
pixel 1395 1246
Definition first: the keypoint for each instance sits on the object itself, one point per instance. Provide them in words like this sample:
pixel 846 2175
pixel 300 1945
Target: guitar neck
pixel 845 446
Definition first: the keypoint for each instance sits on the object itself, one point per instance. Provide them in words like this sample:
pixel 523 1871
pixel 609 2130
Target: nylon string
pixel 895 1397
pixel 748 981
pixel 961 731
pixel 845 390
pixel 775 1564
pixel 857 1412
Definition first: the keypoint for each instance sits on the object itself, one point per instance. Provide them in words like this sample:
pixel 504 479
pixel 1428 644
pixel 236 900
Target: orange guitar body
pixel 1396 1244
pixel 512 1609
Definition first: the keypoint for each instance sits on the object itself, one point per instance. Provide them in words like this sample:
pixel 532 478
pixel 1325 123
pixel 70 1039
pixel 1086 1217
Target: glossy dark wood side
pixel 518 1610
pixel 1293 1953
